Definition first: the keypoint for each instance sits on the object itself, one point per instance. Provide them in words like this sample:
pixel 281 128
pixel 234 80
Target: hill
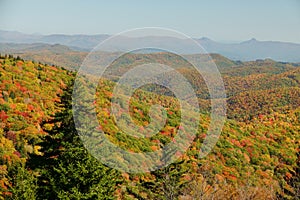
pixel 29 92
pixel 256 156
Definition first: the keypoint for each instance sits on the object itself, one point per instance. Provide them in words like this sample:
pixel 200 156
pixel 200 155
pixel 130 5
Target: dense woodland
pixel 256 157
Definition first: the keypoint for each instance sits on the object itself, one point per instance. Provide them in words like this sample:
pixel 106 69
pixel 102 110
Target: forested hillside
pixel 256 157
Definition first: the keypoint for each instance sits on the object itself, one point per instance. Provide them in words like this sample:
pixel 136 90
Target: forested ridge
pixel 256 156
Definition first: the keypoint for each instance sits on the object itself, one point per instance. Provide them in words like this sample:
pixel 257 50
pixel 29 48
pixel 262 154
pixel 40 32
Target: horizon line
pixel 107 34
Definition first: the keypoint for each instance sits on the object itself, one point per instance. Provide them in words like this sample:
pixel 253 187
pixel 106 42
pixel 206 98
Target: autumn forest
pixel 257 155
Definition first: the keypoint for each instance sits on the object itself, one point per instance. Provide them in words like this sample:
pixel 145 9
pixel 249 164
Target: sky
pixel 220 20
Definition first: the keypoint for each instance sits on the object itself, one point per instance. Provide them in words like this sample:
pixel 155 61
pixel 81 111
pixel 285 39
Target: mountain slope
pixel 28 94
pixel 256 158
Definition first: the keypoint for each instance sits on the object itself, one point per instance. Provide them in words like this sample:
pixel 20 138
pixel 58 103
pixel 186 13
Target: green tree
pixel 168 183
pixel 23 183
pixel 67 170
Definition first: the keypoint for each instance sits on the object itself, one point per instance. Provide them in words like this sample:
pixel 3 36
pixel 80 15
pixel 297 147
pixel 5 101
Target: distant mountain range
pixel 16 42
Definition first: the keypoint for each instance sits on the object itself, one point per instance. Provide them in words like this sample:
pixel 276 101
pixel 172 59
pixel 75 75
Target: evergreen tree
pixel 67 170
pixel 168 184
pixel 23 183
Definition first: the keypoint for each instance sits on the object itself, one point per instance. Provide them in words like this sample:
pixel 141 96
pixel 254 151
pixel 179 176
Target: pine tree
pixel 168 183
pixel 67 170
pixel 23 183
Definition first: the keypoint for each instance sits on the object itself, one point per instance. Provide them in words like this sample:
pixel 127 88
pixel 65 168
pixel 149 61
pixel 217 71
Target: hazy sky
pixel 221 20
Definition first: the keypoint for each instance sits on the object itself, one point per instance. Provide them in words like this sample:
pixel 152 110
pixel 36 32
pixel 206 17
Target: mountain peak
pixel 252 40
pixel 205 39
